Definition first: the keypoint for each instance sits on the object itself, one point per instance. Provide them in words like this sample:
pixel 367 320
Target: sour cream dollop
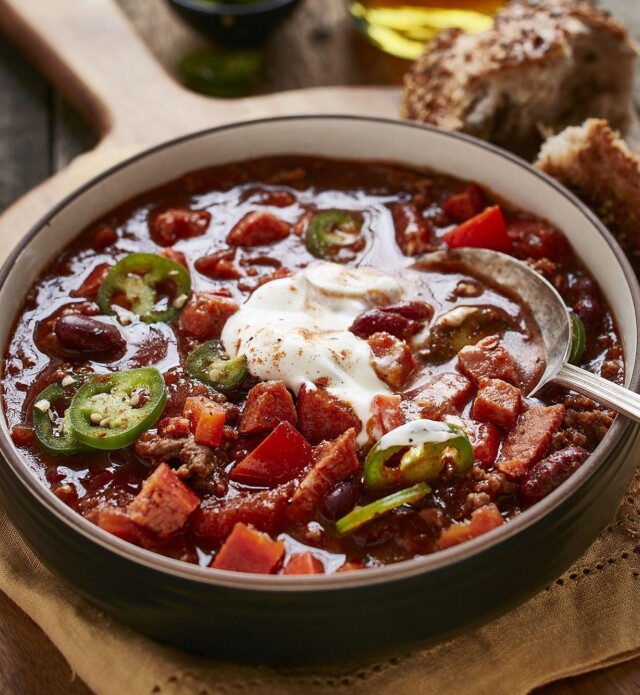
pixel 296 330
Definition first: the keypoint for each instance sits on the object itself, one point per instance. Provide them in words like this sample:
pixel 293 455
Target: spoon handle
pixel 618 398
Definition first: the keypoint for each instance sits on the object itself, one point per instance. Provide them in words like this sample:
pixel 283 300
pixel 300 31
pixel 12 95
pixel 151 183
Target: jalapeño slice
pixel 109 411
pixel 208 364
pixel 363 515
pixel 429 442
pixel 578 339
pixel 331 230
pixel 56 438
pixel 153 287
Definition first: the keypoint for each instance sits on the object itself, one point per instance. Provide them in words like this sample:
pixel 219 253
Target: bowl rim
pixel 621 427
pixel 249 9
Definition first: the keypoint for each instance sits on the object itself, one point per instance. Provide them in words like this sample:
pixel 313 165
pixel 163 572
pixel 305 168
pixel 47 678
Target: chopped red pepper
pixel 487 230
pixel 207 418
pixel 278 459
pixel 248 550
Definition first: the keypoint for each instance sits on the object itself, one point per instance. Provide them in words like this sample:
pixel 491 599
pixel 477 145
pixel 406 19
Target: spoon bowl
pixel 554 323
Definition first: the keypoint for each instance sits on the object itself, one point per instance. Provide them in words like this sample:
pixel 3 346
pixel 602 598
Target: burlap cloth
pixel 587 619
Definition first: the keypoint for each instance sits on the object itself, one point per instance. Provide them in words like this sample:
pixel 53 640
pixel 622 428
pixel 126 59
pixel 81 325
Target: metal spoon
pixel 554 321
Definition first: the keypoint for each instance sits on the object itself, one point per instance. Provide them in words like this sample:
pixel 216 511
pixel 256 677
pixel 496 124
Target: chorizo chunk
pixel 175 224
pixel 530 439
pixel 445 394
pixel 334 461
pixel 323 416
pixel 268 404
pixel 488 359
pixel 205 314
pixel 392 359
pixel 258 228
pixel 164 503
pixel 214 520
pixel 497 402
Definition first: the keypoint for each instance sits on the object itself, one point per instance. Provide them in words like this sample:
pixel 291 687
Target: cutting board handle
pixel 89 49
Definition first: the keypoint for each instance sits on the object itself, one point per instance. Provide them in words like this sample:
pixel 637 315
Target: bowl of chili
pixel 97 442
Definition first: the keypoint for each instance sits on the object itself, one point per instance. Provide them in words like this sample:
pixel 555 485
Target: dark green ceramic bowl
pixel 234 25
pixel 356 614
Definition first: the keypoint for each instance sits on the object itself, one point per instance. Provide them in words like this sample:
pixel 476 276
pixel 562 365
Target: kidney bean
pixel 546 475
pixel 416 311
pixel 376 320
pixel 589 310
pixel 340 500
pixel 85 334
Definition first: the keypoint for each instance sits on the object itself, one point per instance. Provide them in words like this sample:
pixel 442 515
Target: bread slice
pixel 541 67
pixel 597 165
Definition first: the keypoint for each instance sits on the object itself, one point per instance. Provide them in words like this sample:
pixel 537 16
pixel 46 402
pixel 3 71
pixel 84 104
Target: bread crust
pixel 543 65
pixel 597 165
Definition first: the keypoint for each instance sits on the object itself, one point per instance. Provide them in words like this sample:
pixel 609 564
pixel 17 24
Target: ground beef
pixel 204 466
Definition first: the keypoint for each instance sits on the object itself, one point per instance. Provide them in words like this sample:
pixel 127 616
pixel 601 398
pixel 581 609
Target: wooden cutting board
pixel 91 52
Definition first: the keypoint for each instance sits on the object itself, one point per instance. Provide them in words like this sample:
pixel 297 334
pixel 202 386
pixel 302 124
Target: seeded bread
pixel 597 165
pixel 541 67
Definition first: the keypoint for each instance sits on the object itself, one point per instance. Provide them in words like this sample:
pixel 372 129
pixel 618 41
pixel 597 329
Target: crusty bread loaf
pixel 542 66
pixel 596 164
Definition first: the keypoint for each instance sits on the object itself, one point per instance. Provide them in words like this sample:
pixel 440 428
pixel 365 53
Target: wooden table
pixel 40 133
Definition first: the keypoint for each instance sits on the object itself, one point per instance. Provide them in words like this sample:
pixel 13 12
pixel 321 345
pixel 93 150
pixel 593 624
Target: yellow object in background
pixel 402 27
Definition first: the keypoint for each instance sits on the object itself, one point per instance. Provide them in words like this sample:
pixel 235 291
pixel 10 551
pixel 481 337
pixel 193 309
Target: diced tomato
pixel 465 205
pixel 487 230
pixel 103 237
pixel 386 415
pixel 498 402
pixel 278 459
pixel 482 521
pixel 175 224
pixel 276 275
pixel 164 503
pixel 205 314
pixel 277 199
pixel 485 438
pixel 303 563
pixel 91 284
pixel 268 404
pixel 258 228
pixel 174 427
pixel 22 436
pixel 174 255
pixel 529 440
pixel 219 265
pixel 248 550
pixel 207 418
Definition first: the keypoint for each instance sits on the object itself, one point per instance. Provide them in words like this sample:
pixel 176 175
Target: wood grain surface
pixel 40 134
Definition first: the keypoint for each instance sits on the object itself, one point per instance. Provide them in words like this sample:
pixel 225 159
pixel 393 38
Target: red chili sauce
pixel 239 226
